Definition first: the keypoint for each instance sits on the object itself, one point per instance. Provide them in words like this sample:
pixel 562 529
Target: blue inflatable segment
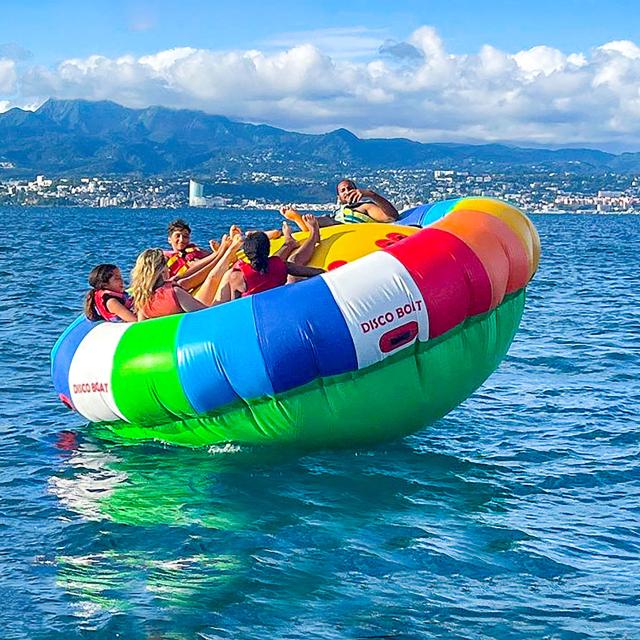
pixel 302 334
pixel 219 358
pixel 426 214
pixel 413 216
pixel 63 351
pixel 201 374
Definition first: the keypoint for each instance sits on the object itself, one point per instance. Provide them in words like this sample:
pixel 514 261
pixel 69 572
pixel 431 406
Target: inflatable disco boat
pixel 405 324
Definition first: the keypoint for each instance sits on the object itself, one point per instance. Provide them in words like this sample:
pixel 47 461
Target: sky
pixel 532 73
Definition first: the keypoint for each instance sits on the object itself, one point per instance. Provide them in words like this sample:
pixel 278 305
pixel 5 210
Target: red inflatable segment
pixel 450 276
pixel 491 238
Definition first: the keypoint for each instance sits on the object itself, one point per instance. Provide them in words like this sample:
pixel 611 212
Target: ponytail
pixel 89 306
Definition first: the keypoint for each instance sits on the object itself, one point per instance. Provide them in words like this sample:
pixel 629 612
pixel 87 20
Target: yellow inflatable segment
pixel 344 243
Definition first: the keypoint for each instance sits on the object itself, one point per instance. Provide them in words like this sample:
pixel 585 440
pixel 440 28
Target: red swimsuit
pixel 275 276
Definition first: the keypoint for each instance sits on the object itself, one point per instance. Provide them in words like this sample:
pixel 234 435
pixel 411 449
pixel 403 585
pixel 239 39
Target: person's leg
pixel 207 291
pixel 294 216
pixel 196 278
pixel 303 254
pixel 290 243
pixel 223 293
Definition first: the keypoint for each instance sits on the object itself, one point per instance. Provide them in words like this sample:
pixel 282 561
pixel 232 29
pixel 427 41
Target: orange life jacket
pixel 178 261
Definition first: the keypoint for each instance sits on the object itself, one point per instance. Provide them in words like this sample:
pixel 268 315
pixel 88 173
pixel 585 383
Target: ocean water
pixel 516 516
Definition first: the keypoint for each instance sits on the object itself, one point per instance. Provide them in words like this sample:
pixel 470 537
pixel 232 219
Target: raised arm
pixel 381 211
pixel 197 273
pixel 117 308
pixel 301 271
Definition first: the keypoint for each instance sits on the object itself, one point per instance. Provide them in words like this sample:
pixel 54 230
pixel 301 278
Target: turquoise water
pixel 516 516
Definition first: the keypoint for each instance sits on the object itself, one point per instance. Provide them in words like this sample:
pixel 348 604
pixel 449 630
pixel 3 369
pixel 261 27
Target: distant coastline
pixel 108 155
pixel 539 193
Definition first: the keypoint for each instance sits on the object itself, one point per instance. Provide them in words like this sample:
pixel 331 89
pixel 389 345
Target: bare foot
pixel 224 242
pixel 294 216
pixel 231 254
pixel 289 240
pixel 214 244
pixel 235 230
pixel 312 225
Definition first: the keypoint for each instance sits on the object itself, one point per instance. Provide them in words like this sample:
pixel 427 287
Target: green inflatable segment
pixel 390 399
pixel 145 383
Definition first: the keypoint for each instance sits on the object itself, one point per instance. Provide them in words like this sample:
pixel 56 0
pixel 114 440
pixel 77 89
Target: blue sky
pixel 548 73
pixel 124 26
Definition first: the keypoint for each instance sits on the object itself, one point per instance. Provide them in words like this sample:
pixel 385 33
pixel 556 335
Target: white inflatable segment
pixel 90 373
pixel 381 304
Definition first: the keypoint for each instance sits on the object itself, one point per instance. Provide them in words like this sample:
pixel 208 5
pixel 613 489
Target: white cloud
pixel 625 48
pixel 8 75
pixel 427 40
pixel 416 88
pixel 540 60
pixel 341 43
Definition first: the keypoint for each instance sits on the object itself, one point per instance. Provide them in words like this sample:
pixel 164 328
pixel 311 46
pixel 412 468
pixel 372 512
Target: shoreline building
pixel 196 194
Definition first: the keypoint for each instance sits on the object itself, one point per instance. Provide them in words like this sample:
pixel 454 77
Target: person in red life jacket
pixel 107 299
pixel 189 263
pixel 156 295
pixel 261 272
pixel 184 255
pixel 196 274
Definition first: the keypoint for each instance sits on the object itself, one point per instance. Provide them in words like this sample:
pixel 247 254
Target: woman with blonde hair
pixel 154 295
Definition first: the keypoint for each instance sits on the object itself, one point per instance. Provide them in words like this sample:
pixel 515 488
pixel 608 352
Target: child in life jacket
pixel 155 295
pixel 107 299
pixel 189 263
pixel 184 253
pixel 261 272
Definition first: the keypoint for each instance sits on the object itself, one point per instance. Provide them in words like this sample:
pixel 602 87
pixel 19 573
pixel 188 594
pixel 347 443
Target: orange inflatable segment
pixel 486 246
pixel 514 218
pixel 495 243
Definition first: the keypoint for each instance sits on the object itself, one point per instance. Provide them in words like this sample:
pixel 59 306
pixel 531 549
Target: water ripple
pixel 516 516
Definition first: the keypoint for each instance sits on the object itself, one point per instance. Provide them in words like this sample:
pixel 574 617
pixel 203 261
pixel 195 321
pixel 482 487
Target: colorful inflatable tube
pixel 405 324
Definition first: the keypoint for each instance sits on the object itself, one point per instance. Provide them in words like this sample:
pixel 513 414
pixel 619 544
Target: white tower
pixel 196 194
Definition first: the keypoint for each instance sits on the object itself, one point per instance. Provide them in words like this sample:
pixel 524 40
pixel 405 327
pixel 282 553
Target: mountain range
pixel 78 137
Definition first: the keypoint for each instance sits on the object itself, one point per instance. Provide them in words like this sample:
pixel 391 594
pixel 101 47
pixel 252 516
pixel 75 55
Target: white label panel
pixel 381 304
pixel 90 372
